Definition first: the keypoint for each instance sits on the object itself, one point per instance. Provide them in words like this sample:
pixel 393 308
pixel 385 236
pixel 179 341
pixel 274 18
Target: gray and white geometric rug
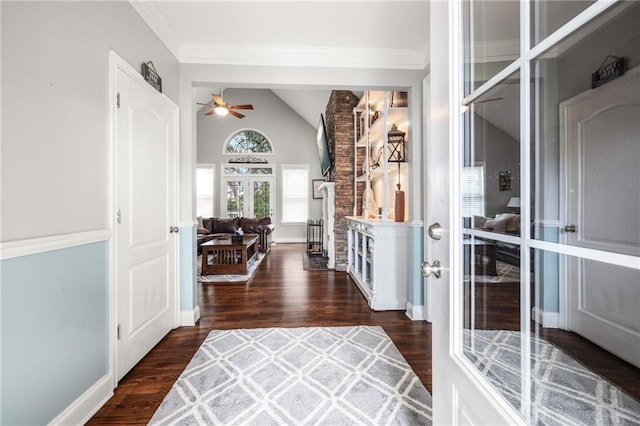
pixel 301 376
pixel 563 391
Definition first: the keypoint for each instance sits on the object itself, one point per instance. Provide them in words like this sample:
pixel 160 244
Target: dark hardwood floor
pixel 281 294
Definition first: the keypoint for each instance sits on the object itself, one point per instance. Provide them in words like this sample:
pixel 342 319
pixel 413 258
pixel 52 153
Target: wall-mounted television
pixel 323 147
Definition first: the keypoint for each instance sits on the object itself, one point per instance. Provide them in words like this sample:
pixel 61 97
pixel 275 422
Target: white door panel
pixel 602 162
pixel 146 201
pixel 459 397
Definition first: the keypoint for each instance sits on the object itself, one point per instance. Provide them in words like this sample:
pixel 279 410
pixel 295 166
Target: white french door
pixel 500 72
pixel 459 396
pixel 247 196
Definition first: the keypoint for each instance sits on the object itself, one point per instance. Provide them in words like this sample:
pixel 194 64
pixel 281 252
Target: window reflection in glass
pixel 584 333
pixel 492 42
pixel 586 163
pixel 549 15
pixel 490 176
pixel 491 335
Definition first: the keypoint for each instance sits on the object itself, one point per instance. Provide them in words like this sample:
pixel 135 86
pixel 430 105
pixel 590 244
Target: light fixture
pixel 221 110
pixel 514 202
pixel 396 144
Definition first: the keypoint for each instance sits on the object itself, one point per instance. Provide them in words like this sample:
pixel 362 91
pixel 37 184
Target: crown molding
pixel 197 53
pixel 149 12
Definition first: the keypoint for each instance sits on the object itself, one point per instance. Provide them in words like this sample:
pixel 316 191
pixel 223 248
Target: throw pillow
pixel 479 221
pixel 500 223
pixel 488 224
pixel 202 231
pixel 225 225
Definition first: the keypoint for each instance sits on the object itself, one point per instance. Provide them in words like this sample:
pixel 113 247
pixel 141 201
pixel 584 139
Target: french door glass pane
pixel 596 353
pixel 586 160
pixel 490 179
pixel 235 199
pixel 491 39
pixel 549 15
pixel 261 199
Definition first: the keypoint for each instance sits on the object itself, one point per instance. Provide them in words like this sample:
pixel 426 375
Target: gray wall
pixel 292 137
pixel 55 58
pixel 499 152
pixel 55 181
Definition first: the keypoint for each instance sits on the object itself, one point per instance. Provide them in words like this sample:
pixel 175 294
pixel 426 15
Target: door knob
pixel 435 231
pixel 173 229
pixel 434 269
pixel 570 228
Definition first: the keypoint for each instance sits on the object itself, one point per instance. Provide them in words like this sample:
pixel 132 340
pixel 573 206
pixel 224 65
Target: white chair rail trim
pixel 12 249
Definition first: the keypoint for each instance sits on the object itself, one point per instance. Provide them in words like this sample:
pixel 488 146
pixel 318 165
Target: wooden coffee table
pixel 223 256
pixel 482 255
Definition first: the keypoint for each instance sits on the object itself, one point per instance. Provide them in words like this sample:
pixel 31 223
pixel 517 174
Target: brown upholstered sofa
pixel 213 227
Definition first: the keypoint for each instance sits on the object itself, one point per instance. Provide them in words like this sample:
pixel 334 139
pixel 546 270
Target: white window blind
pixel 472 188
pixel 204 191
pixel 295 194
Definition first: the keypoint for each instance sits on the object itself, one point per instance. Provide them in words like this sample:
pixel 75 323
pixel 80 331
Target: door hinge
pixel 118 100
pixel 119 216
pixel 118 331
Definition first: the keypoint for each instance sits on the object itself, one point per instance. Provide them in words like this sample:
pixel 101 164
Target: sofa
pixel 506 223
pixel 213 227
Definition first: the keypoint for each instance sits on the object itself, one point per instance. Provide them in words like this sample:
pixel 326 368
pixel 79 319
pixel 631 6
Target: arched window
pixel 248 142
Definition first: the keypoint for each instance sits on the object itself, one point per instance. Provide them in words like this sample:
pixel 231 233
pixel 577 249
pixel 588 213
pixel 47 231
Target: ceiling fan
pixel 220 107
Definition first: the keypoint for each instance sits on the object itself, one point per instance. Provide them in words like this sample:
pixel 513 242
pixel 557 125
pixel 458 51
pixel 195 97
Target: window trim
pixel 212 168
pixel 257 154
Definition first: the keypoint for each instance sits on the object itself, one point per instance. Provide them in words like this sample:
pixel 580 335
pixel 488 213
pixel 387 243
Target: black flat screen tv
pixel 323 147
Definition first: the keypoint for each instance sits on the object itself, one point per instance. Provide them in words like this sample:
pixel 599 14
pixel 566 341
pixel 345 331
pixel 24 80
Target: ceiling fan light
pixel 221 110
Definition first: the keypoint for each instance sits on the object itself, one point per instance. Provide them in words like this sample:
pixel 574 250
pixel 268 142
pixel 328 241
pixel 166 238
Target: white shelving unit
pixel 378 246
pixel 373 118
pixel 377 261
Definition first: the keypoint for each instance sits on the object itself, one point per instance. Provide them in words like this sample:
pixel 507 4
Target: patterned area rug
pixel 563 391
pixel 302 376
pixel 230 278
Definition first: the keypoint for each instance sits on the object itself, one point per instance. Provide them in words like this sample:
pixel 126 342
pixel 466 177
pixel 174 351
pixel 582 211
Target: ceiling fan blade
pixel 212 112
pixel 199 103
pixel 217 99
pixel 236 114
pixel 247 106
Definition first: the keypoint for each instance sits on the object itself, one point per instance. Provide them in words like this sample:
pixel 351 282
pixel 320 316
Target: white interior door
pixel 459 396
pixel 602 194
pixel 146 123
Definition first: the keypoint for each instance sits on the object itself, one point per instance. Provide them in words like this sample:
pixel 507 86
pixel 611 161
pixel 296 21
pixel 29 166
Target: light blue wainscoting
pixel 415 289
pixel 188 269
pixel 55 326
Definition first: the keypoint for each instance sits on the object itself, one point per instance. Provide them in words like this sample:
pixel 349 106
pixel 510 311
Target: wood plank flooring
pixel 281 294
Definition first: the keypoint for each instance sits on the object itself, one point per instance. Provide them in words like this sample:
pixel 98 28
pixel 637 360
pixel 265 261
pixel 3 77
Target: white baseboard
pixel 546 319
pixel 286 240
pixel 83 408
pixel 415 312
pixel 190 318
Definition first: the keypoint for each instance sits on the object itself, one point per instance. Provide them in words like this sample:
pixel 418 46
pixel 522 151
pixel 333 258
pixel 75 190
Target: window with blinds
pixel 295 193
pixel 204 191
pixel 472 189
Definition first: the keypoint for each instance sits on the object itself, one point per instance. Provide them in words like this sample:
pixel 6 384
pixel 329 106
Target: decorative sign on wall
pixel 608 72
pixel 151 76
pixel 504 180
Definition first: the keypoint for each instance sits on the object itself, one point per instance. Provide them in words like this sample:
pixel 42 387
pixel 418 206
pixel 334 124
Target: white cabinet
pixel 377 261
pixel 373 118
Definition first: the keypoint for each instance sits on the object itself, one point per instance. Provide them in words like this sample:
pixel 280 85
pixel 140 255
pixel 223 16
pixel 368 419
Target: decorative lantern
pixel 396 144
pixel 397 154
